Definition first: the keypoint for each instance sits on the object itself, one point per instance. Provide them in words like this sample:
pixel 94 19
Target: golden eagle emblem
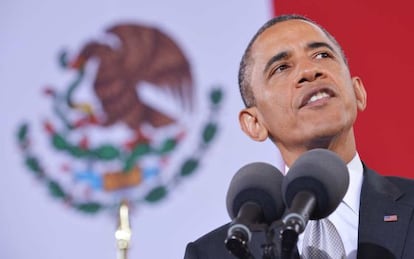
pixel 143 54
pixel 140 78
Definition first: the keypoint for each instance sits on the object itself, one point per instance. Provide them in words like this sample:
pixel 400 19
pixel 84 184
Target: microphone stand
pixel 123 233
pixel 270 249
pixel 289 239
pixel 295 221
pixel 269 246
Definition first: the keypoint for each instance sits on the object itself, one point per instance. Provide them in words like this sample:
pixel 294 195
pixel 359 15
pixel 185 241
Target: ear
pixel 251 125
pixel 360 93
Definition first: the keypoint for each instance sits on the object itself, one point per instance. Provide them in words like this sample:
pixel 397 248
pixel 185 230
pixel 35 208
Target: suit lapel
pixel 381 237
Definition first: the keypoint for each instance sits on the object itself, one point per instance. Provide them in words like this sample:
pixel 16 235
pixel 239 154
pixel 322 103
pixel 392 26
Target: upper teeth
pixel 318 96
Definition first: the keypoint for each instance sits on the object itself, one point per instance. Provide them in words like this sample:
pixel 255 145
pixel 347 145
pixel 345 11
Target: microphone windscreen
pixel 321 172
pixel 260 183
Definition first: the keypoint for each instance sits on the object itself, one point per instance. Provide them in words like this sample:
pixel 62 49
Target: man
pixel 298 91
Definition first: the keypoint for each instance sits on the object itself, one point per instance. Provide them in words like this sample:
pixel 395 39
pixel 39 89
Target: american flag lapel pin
pixel 390 218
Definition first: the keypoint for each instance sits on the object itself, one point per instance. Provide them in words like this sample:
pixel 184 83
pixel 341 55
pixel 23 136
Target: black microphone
pixel 312 189
pixel 254 197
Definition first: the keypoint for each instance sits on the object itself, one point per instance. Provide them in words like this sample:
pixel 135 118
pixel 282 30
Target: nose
pixel 308 72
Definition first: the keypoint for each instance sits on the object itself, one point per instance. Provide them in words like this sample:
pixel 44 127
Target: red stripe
pixel 376 38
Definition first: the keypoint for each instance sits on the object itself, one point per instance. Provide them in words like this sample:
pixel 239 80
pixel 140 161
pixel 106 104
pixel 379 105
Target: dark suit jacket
pixel 380 196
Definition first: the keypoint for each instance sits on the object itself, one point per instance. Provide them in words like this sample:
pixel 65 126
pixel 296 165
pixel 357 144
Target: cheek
pixel 275 96
pixel 351 101
pixel 274 101
pixel 276 107
pixel 275 112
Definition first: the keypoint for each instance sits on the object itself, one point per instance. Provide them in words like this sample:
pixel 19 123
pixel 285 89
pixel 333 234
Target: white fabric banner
pixel 56 202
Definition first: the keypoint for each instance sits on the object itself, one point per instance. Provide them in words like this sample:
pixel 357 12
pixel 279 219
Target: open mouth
pixel 315 96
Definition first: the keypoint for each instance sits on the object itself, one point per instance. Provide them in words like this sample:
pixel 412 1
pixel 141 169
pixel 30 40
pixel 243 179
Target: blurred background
pixel 106 101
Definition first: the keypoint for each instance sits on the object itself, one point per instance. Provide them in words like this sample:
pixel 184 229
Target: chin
pixel 322 137
pixel 321 142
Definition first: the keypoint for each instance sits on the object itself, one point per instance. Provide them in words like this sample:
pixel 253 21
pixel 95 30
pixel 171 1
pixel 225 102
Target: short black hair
pixel 245 63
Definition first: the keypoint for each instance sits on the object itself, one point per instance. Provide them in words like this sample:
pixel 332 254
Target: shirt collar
pixel 353 193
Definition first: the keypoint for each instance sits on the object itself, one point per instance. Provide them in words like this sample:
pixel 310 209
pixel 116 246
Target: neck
pixel 344 147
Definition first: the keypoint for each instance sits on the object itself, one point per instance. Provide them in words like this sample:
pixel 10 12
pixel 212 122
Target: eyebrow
pixel 318 44
pixel 275 58
pixel 285 54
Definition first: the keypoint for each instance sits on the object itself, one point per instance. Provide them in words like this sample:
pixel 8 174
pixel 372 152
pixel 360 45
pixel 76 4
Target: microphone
pixel 312 189
pixel 254 197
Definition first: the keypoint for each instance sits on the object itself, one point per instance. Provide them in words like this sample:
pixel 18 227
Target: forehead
pixel 289 34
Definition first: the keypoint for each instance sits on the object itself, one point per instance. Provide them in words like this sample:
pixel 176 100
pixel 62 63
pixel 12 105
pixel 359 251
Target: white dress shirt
pixel 346 216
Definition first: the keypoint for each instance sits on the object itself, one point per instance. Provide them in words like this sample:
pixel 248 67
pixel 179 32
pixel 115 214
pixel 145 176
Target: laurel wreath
pixel 110 152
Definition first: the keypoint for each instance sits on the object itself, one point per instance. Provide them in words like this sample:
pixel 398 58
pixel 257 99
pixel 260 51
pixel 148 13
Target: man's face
pixel 303 89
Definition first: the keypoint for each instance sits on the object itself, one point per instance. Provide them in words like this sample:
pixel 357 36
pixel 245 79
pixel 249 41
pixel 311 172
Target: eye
pixel 322 55
pixel 279 69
